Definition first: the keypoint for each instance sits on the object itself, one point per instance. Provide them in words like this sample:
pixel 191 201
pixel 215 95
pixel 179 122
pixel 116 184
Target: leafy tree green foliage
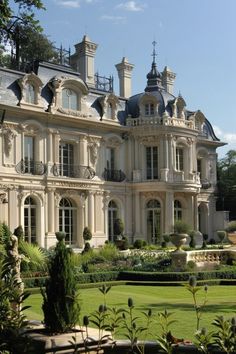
pixel 227 184
pixel 10 18
pixel 60 298
pixel 35 46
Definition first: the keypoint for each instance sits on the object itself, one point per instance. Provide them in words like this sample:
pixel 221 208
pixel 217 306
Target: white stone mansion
pixel 74 154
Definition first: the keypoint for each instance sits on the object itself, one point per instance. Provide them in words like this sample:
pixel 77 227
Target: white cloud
pixel 133 6
pixel 226 137
pixel 115 19
pixel 75 4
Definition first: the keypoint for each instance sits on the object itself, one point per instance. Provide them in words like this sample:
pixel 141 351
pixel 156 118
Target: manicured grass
pixel 221 300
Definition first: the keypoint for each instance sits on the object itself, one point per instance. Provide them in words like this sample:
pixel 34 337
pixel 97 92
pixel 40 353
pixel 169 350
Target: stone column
pixel 13 220
pixel 51 211
pixel 91 211
pixel 83 154
pixel 137 214
pixel 169 212
pixel 195 213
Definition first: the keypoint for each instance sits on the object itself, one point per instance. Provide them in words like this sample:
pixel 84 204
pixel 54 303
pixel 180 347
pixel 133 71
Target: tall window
pixel 149 109
pixel 29 154
pixel 30 220
pixel 110 110
pixel 179 159
pixel 30 94
pixel 152 162
pixel 110 158
pixel 67 219
pixel 66 159
pixel 153 208
pixel 112 216
pixel 177 210
pixel 69 99
pixel 199 167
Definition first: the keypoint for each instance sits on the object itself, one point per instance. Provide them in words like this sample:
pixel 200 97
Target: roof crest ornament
pixel 154 54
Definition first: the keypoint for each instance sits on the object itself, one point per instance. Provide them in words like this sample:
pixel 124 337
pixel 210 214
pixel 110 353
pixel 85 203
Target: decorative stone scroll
pixel 9 136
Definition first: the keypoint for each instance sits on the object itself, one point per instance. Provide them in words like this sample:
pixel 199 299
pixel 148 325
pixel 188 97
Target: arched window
pixel 153 208
pixel 30 220
pixel 30 93
pixel 112 216
pixel 177 210
pixel 67 219
pixel 69 99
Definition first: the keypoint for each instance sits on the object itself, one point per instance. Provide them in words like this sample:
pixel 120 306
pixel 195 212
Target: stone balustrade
pixel 157 120
pixel 203 257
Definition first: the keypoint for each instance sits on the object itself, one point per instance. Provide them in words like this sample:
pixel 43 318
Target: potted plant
pixel 179 237
pixel 118 233
pixel 231 231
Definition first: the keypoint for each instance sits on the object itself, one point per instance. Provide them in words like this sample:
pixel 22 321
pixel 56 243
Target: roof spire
pixel 154 77
pixel 154 54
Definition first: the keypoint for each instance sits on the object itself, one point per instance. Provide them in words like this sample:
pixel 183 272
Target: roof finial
pixel 154 54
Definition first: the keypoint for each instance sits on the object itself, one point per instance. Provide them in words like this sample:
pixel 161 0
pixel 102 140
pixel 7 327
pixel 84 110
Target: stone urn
pixel 178 240
pixel 232 237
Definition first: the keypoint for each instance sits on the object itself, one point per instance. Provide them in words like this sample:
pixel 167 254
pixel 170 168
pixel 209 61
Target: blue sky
pixel 195 38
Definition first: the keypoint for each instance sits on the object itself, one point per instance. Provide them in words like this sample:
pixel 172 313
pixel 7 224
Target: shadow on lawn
pixel 211 308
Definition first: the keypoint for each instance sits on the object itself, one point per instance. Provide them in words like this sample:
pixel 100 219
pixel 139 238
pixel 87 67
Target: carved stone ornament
pixel 147 140
pixel 114 141
pixel 105 100
pixel 93 144
pixel 9 136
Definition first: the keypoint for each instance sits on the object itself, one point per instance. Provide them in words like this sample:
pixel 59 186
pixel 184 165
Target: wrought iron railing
pixel 103 83
pixel 73 171
pixel 114 175
pixel 31 167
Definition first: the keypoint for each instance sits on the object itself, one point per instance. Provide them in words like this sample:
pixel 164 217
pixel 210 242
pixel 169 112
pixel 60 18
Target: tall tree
pixel 34 45
pixel 14 19
pixel 227 184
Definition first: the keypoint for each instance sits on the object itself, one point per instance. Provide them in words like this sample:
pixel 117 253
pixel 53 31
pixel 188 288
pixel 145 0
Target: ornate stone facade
pixel 75 156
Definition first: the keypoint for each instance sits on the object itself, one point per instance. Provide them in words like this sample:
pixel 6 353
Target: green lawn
pixel 221 300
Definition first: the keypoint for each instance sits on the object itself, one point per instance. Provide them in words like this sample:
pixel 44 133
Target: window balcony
pixel 32 167
pixel 72 171
pixel 114 175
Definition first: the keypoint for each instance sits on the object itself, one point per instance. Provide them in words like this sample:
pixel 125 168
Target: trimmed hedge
pixel 34 282
pixel 176 276
pixel 97 277
pixel 151 278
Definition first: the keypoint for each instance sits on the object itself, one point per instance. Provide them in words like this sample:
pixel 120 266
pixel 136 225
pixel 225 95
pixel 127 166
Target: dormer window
pixel 69 99
pixel 30 94
pixel 31 87
pixel 149 109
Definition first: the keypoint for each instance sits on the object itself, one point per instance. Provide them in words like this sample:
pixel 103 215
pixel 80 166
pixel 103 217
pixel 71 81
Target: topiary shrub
pixel 60 297
pixel 87 247
pixel 138 243
pixel 221 234
pixel 118 227
pixel 87 234
pixel 192 243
